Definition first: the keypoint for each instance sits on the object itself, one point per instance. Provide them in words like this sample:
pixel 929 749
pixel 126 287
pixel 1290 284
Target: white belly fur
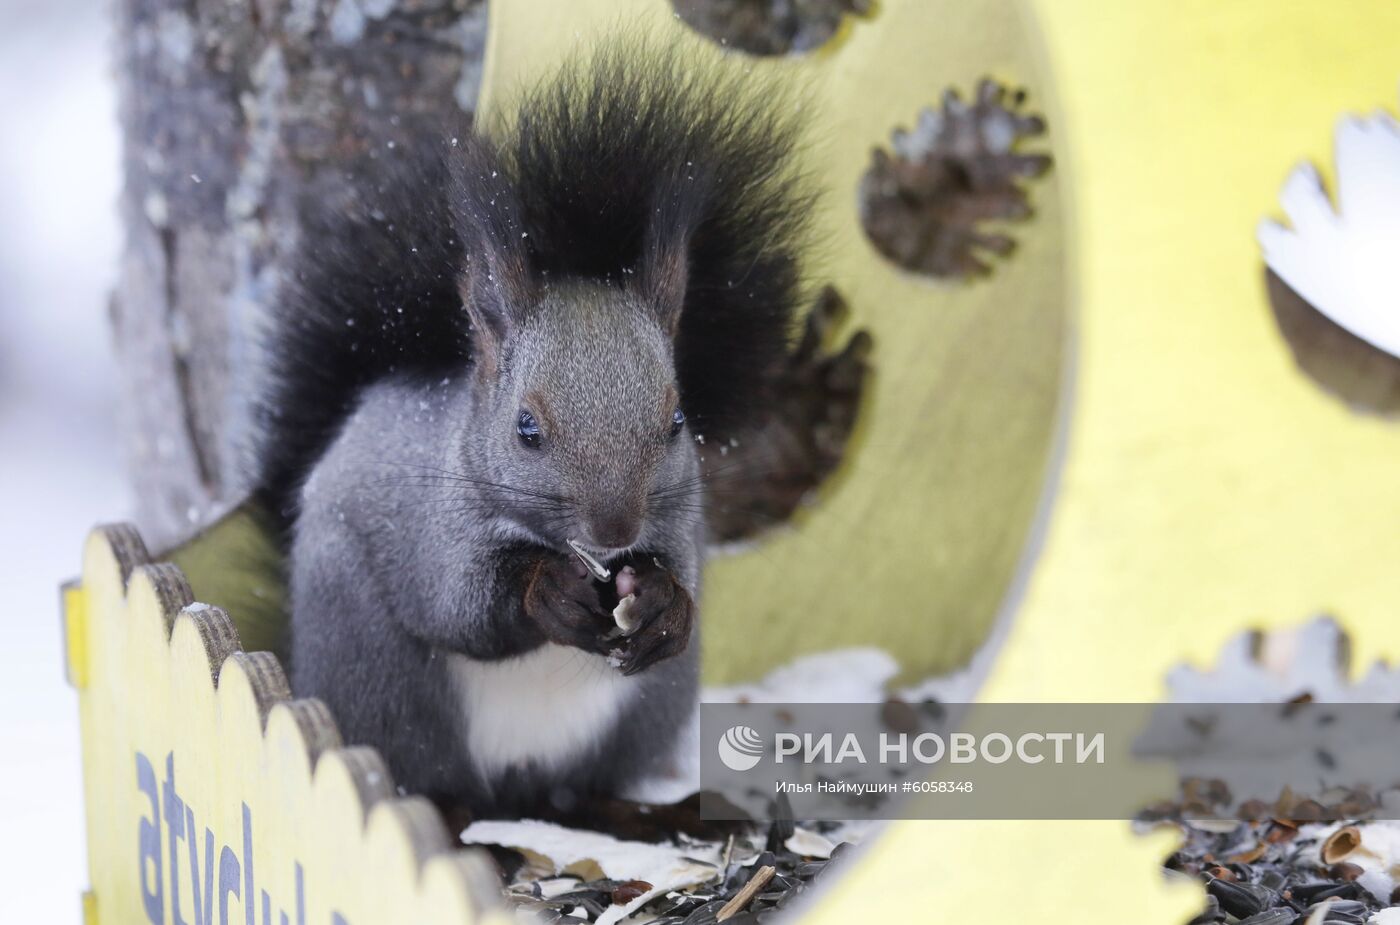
pixel 543 708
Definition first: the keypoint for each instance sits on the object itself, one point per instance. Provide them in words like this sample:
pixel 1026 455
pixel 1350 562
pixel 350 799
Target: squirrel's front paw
pixel 662 616
pixel 562 600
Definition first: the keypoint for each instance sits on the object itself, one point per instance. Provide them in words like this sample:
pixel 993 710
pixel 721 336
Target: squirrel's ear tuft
pixel 679 209
pixel 495 285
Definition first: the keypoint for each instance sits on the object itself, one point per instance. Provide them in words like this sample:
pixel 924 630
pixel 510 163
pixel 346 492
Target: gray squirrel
pixel 518 338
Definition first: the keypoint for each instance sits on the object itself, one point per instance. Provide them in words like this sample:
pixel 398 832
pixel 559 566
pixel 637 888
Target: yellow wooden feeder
pixel 1106 442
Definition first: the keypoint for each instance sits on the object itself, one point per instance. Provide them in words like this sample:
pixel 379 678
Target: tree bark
pixel 232 110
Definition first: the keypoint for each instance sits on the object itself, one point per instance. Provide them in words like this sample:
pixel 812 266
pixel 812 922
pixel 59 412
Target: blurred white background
pixel 61 468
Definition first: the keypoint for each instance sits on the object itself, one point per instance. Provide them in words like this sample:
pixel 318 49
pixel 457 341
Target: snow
pixel 1342 260
pixel 60 463
pixel 1307 657
pixel 1267 750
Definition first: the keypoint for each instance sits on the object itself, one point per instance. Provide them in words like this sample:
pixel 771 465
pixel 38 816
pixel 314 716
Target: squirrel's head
pixel 581 408
pixel 578 408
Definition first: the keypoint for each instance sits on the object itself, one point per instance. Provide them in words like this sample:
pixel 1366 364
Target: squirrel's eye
pixel 528 429
pixel 677 421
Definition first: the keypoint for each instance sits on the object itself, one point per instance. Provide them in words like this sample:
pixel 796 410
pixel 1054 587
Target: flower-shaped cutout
pixel 924 204
pixel 769 27
pixel 1334 283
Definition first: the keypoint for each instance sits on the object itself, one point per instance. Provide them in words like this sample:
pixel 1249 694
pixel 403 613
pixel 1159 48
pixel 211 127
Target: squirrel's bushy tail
pixel 572 179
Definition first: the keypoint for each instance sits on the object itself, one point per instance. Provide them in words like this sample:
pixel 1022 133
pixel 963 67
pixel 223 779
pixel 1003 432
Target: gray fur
pixel 400 563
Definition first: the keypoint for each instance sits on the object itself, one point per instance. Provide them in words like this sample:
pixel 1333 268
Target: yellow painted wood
pixel 236 561
pixel 74 636
pixel 1208 485
pixel 913 546
pixel 264 775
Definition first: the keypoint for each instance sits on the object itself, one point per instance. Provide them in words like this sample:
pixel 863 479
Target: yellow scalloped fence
pixel 214 797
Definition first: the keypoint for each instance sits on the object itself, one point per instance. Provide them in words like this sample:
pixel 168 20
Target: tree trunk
pixel 232 110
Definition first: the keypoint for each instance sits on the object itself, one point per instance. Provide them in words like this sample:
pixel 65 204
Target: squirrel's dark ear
pixel 680 205
pixel 495 285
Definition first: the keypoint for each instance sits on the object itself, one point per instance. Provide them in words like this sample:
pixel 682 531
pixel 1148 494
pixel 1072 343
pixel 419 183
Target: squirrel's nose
pixel 614 529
